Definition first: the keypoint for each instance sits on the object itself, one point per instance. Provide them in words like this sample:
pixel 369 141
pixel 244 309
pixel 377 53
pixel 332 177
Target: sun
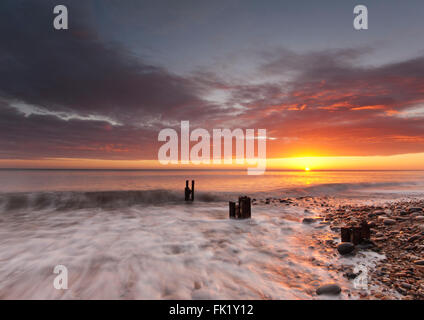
pixel 307 169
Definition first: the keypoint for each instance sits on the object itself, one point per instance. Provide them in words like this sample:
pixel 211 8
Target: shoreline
pixel 397 232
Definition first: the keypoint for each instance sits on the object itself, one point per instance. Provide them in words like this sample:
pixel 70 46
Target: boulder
pixel 330 289
pixel 345 248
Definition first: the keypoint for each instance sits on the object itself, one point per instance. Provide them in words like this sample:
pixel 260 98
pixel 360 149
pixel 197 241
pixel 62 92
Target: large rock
pixel 345 248
pixel 330 289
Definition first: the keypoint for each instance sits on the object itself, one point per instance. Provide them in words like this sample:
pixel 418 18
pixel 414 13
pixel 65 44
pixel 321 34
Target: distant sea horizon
pixel 204 169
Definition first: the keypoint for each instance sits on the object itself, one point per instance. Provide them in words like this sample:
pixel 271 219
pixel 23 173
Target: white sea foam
pixel 189 251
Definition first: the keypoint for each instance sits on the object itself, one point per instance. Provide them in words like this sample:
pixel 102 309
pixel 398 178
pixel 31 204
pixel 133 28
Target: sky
pixel 97 95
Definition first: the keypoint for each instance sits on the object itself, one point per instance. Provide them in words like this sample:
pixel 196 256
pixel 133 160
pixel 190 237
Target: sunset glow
pixel 395 162
pixel 341 107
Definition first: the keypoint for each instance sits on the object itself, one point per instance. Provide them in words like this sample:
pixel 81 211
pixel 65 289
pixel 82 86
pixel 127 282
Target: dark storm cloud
pixel 36 136
pixel 75 71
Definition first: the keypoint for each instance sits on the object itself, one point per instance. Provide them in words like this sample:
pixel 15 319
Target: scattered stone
pixel 379 213
pixel 351 275
pixel 389 222
pixel 345 248
pixel 401 291
pixel 308 220
pixel 381 218
pixel 414 237
pixel 406 286
pixel 330 289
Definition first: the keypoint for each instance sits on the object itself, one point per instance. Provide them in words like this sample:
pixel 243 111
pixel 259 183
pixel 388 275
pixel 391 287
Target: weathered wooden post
pixel 192 190
pixel 240 210
pixel 356 235
pixel 245 207
pixel 189 194
pixel 232 210
pixel 365 231
pixel 346 234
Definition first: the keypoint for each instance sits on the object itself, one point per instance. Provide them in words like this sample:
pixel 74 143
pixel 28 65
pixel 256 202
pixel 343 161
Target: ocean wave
pixel 334 188
pixel 95 199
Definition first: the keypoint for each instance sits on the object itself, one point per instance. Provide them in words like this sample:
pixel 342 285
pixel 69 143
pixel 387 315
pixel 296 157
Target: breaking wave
pixel 95 199
pixel 73 200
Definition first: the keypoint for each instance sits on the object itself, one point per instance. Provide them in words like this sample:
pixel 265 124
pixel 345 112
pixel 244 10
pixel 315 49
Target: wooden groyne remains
pixel 356 235
pixel 189 193
pixel 240 210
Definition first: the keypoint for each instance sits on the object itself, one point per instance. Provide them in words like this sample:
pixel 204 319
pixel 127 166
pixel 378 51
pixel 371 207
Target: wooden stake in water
pixel 189 194
pixel 232 210
pixel 240 210
pixel 192 190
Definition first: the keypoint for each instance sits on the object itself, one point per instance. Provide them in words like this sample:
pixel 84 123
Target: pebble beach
pixel 397 235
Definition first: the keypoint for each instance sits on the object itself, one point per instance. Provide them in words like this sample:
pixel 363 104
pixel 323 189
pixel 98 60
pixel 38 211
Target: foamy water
pixel 149 244
pixel 159 252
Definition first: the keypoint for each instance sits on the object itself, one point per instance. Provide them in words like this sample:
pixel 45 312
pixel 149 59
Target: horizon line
pixel 186 169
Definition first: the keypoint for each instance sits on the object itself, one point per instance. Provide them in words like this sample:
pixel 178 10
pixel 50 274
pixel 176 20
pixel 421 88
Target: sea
pixel 129 234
